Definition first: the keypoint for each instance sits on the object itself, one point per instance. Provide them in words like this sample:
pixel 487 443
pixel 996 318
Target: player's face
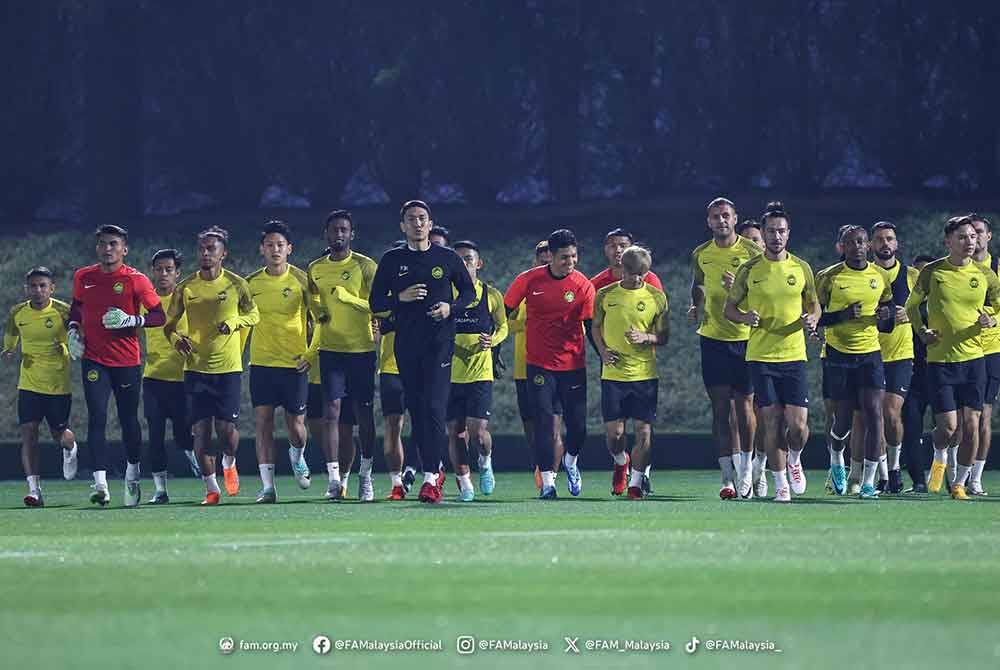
pixel 962 241
pixel 884 243
pixel 111 249
pixel 471 260
pixel 722 221
pixel 39 290
pixel 416 224
pixel 543 258
pixel 856 246
pixel 775 234
pixel 339 235
pixel 165 274
pixel 632 279
pixel 211 252
pixel 563 261
pixel 614 248
pixel 275 249
pixel 983 236
pixel 438 240
pixel 753 234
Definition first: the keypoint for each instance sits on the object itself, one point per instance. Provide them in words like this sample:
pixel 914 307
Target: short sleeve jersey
pixel 44 357
pixel 340 292
pixel 779 291
pixel 709 262
pixel 898 345
pixel 96 292
pixel 163 362
pixel 840 286
pixel 616 311
pixel 991 336
pixel 279 338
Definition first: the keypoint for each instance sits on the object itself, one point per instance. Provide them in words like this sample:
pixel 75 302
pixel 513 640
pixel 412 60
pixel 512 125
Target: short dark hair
pixel 111 229
pixel 410 204
pixel 217 232
pixel 851 228
pixel 441 231
pixel 882 225
pixel 277 226
pixel 719 202
pixel 338 214
pixel 748 223
pixel 956 222
pixel 465 244
pixel 924 258
pixel 776 210
pixel 162 254
pixel 619 232
pixel 38 271
pixel 975 216
pixel 560 239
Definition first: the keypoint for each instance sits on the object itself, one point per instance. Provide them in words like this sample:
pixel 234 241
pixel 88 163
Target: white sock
pixel 485 461
pixel 396 478
pixel 570 460
pixel 977 472
pixel 409 468
pixel 648 468
pixel 952 460
pixel 961 472
pixel 365 469
pixel 837 457
pixel 228 461
pixel 131 472
pixel 759 463
pixel 430 478
pixel 620 458
pixel 101 479
pixel 296 452
pixel 746 467
pixel 883 467
pixel 940 455
pixel 869 476
pixel 333 471
pixel 794 457
pixel 726 466
pixel 160 481
pixel 465 482
pixel 780 479
pixel 548 478
pixel 635 478
pixel 892 452
pixel 737 464
pixel 34 483
pixel 71 450
pixel 344 478
pixel 267 475
pixel 211 486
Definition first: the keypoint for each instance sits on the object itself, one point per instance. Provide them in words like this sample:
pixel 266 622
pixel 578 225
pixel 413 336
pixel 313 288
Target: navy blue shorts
pixel 629 400
pixel 724 364
pixel 524 406
pixel 54 409
pixel 898 376
pixel 212 396
pixel 848 373
pixel 279 387
pixel 390 393
pixel 345 374
pixel 780 383
pixel 954 385
pixel 314 402
pixel 470 401
pixel 992 378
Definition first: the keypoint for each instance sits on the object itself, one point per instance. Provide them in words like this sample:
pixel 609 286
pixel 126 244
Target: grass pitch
pixel 832 582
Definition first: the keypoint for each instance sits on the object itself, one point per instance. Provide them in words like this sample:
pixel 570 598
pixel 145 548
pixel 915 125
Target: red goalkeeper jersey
pixel 95 292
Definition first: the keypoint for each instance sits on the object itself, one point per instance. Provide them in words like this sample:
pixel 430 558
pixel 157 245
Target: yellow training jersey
pixel 340 292
pixel 469 364
pixel 780 292
pixel 709 262
pixel 207 304
pixel 616 311
pixel 991 336
pixel 162 361
pixel 838 287
pixel 955 295
pixel 387 355
pixel 515 323
pixel 898 345
pixel 44 356
pixel 279 338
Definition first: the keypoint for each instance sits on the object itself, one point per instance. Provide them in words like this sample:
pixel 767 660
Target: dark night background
pixel 118 109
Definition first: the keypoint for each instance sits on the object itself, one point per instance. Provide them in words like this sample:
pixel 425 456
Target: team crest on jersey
pixel 641 306
pixel 92 376
pixel 222 296
pixel 873 283
pixel 735 262
pixel 118 287
pixel 437 272
pixel 568 296
pixel 49 323
pixel 791 280
pixel 973 282
pixel 539 380
pixel 345 275
pixel 285 292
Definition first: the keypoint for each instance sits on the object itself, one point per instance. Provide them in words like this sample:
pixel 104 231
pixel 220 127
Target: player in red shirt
pixel 558 299
pixel 615 244
pixel 103 319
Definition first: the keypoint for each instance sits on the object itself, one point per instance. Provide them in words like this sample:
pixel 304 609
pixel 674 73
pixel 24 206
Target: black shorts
pixel 345 374
pixel 724 364
pixel 212 396
pixel 314 402
pixel 954 385
pixel 390 393
pixel 629 400
pixel 992 378
pixel 849 373
pixel 780 383
pixel 827 394
pixel 470 401
pixel 163 400
pixel 898 376
pixel 524 405
pixel 54 409
pixel 279 387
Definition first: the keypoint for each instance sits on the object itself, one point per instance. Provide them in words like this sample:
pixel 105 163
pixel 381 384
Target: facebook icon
pixel 321 645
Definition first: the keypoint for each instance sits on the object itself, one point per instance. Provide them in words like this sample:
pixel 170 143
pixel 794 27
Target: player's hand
pixel 184 346
pixel 440 311
pixel 75 344
pixel 116 319
pixel 854 310
pixel 7 355
pixel 883 313
pixel 986 320
pixel 930 336
pixel 901 315
pixel 693 313
pixel 413 293
pixel 375 328
pixel 809 322
pixel 301 364
pixel 611 357
pixel 752 318
pixel 635 336
pixel 727 279
pixel 485 341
